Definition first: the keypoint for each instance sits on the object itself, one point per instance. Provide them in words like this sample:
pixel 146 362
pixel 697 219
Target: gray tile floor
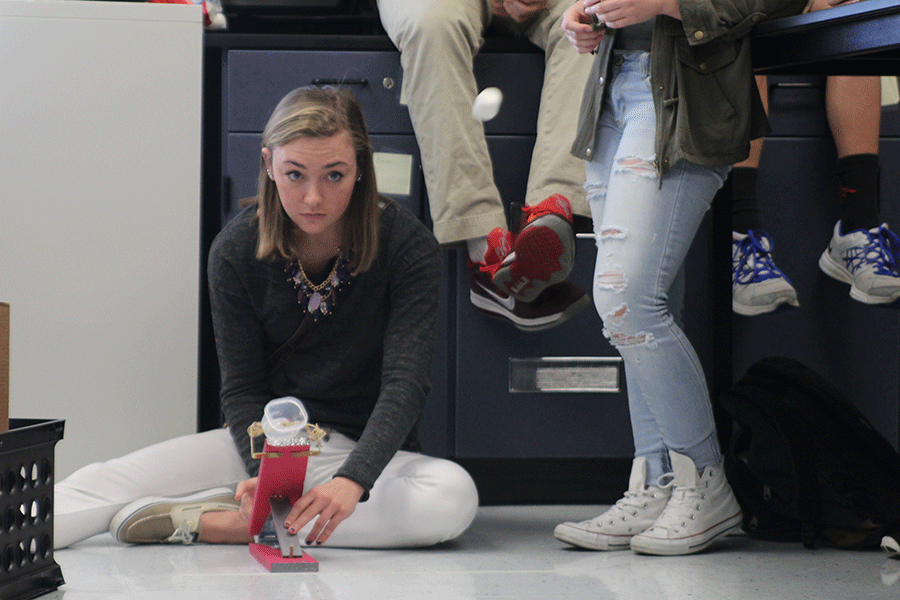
pixel 509 552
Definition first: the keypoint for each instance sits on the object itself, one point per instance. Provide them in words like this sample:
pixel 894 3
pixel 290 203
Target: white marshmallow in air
pixel 487 104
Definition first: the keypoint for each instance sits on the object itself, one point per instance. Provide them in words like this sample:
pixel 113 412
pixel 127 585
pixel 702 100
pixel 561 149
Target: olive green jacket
pixel 707 104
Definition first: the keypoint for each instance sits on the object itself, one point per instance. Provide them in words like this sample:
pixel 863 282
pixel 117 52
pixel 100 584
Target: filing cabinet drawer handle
pixel 794 84
pixel 801 87
pixel 327 81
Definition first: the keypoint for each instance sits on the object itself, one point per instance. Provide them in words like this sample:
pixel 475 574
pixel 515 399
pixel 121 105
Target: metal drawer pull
pixel 795 84
pixel 565 374
pixel 327 81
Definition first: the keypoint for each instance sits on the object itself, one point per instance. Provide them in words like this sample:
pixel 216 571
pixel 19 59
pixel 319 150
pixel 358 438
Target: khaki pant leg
pixel 438 40
pixel 553 168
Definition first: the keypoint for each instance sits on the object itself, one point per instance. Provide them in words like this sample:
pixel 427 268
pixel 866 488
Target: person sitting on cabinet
pixel 863 251
pixel 318 246
pixel 519 275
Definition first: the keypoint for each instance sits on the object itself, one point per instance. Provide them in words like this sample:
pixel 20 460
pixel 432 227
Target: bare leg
pixel 756 146
pixel 853 107
pixel 744 207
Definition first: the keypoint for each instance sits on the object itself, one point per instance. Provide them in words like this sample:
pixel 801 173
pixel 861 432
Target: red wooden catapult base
pixel 282 471
pixel 274 562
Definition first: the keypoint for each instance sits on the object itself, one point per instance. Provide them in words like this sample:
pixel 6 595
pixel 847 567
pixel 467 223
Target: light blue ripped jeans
pixel 644 231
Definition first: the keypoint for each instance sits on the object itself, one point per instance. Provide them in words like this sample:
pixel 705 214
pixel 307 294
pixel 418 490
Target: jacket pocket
pixel 714 95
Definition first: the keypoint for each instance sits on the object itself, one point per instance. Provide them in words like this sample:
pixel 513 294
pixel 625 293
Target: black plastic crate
pixel 27 568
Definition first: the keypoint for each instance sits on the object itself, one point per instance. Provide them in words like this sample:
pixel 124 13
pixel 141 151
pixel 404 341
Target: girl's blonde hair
pixel 319 112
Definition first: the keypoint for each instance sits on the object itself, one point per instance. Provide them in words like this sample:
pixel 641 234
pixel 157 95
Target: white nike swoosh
pixel 509 303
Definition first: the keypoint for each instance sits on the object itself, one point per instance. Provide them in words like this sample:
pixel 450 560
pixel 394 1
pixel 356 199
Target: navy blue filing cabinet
pixel 502 402
pixel 855 346
pixel 517 393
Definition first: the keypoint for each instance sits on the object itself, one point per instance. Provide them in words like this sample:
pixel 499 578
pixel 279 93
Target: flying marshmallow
pixel 487 104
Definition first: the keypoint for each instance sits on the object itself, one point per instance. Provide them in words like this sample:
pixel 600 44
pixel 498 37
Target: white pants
pixel 417 501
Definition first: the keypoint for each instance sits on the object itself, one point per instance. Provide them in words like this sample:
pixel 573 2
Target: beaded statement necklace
pixel 319 299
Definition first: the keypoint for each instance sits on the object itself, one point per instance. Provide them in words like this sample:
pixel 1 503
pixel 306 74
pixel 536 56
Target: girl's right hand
pixel 246 495
pixel 518 10
pixel 579 30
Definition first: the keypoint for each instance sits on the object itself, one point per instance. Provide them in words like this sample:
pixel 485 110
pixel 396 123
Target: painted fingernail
pixel 318 542
pixel 309 542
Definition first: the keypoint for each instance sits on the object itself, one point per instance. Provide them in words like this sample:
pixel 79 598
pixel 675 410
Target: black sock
pixel 744 210
pixel 858 179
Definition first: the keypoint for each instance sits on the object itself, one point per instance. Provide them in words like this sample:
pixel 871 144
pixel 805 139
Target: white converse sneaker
pixel 159 520
pixel 867 260
pixel 701 510
pixel 631 515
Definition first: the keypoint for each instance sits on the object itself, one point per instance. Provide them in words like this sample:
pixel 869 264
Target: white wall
pixel 99 219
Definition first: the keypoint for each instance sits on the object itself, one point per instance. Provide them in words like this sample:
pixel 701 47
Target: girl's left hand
pixel 332 502
pixel 621 13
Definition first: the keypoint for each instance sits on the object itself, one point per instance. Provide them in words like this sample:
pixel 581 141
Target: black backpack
pixel 805 464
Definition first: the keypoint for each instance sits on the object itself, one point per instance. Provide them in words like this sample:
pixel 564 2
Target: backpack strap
pixel 809 507
pixel 806 477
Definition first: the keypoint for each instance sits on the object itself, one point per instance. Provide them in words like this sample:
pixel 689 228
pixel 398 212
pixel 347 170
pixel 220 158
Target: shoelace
pixel 751 261
pixel 556 207
pixel 183 534
pixel 882 251
pixel 500 244
pixel 496 244
pixel 490 269
pixel 628 505
pixel 682 506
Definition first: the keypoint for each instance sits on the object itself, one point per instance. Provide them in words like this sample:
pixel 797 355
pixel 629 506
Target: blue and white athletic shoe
pixel 757 285
pixel 867 260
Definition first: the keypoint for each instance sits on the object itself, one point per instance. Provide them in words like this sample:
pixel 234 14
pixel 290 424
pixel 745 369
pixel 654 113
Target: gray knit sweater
pixel 363 370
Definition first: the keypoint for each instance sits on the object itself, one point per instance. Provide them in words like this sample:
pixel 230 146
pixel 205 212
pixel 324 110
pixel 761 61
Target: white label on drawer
pixel 394 173
pixel 889 91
